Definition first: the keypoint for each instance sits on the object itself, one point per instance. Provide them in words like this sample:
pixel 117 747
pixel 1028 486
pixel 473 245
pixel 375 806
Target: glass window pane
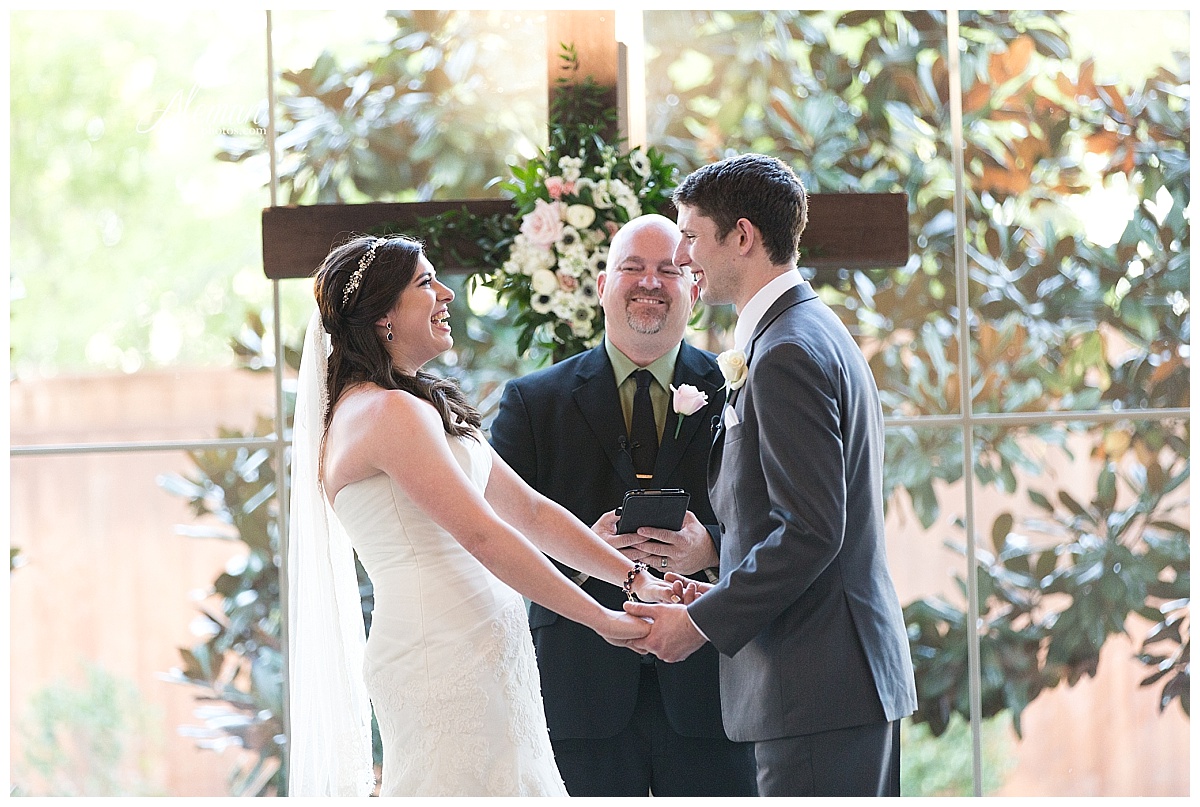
pixel 104 594
pixel 1076 237
pixel 928 565
pixel 815 89
pixel 186 404
pixel 135 253
pixel 406 105
pixel 1080 552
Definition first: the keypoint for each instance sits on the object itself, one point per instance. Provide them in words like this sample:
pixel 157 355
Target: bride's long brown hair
pixel 358 353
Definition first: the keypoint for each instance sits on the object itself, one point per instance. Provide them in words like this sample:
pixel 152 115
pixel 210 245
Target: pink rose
pixel 687 400
pixel 543 225
pixel 567 282
pixel 555 187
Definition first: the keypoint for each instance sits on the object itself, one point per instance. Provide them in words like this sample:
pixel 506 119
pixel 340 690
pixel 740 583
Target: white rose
pixel 580 216
pixel 543 281
pixel 686 400
pixel 732 364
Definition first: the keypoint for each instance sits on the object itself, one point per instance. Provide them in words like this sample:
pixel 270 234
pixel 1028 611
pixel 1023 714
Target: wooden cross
pixel 845 230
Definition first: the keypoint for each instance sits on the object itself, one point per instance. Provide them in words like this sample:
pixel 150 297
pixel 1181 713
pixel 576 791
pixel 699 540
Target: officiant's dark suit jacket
pixel 562 429
pixel 805 616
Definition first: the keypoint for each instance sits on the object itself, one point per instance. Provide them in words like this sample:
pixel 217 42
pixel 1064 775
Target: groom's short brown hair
pixel 763 190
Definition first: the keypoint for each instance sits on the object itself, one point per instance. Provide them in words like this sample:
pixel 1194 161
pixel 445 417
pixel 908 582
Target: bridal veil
pixel 329 739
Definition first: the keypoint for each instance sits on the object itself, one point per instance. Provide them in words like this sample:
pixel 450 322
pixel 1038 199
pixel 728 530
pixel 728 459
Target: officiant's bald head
pixel 647 299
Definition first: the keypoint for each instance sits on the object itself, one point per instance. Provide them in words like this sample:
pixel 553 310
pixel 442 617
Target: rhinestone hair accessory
pixel 356 275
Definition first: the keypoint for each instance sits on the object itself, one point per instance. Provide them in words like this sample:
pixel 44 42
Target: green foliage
pixel 426 118
pixel 1058 584
pixel 942 766
pixel 856 102
pixel 86 741
pixel 237 667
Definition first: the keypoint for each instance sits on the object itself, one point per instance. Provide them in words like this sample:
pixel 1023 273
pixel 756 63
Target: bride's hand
pixel 686 590
pixel 618 627
pixel 649 588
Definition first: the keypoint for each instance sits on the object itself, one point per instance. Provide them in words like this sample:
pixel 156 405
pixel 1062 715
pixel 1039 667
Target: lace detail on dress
pixel 465 741
pixel 515 662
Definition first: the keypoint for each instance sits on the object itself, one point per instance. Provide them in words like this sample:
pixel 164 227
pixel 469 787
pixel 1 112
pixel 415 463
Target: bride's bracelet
pixel 638 566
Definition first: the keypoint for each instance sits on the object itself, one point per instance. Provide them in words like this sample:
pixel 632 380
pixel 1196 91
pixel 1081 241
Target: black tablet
pixel 664 509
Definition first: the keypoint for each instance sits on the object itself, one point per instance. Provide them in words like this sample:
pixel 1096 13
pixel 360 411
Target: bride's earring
pixel 390 336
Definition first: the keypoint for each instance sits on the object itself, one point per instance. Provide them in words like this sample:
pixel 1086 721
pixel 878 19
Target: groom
pixel 815 666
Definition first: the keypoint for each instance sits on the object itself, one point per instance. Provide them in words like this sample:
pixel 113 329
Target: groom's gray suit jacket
pixel 805 616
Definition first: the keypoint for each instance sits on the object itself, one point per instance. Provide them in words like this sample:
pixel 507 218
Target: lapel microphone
pixel 716 423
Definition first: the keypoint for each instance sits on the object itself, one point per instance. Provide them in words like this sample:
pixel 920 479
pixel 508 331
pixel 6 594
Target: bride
pixel 389 459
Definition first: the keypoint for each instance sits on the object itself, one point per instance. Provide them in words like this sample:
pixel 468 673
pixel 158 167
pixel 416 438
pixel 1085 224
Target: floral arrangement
pixel 569 206
pixel 571 199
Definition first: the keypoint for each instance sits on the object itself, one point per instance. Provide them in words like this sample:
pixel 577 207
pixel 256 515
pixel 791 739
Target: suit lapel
pixel 596 396
pixel 793 296
pixel 689 369
pixel 714 454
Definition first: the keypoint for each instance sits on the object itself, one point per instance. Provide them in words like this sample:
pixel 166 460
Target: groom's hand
pixel 673 636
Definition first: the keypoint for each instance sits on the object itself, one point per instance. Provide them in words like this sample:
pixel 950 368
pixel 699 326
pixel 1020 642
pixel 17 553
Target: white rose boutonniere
pixel 687 400
pixel 733 367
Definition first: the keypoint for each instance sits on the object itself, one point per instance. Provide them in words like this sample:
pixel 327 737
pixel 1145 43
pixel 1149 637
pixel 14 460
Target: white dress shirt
pixel 749 317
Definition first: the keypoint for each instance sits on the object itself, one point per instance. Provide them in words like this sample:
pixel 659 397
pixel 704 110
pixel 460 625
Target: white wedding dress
pixel 450 666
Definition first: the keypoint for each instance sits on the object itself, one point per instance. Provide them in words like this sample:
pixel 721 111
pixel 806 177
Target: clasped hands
pixel 672 635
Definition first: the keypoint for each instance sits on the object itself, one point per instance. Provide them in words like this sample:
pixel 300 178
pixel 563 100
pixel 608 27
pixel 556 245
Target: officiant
pixel 629 413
